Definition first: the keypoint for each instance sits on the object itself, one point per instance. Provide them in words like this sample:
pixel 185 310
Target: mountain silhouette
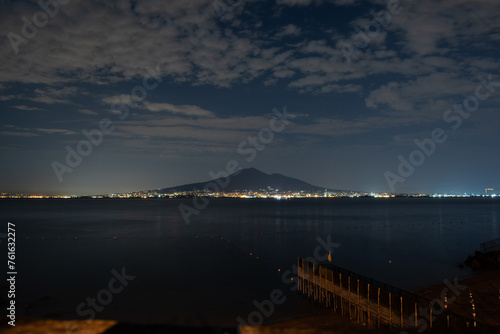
pixel 249 179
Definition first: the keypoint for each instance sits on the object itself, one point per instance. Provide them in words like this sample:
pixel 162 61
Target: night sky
pixel 150 94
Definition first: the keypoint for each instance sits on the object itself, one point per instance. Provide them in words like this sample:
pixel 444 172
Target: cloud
pixel 182 37
pixel 388 94
pixel 230 131
pixel 345 2
pixel 186 110
pixel 436 28
pixel 10 97
pixel 417 94
pixel 87 112
pixel 123 98
pixel 295 2
pixel 186 40
pixel 56 131
pixel 27 108
pixel 428 54
pixel 289 30
pixel 18 134
pixel 309 2
pixel 348 88
pixel 53 95
pixel 321 84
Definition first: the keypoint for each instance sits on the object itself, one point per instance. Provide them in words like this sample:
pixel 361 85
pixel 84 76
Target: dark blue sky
pixel 382 95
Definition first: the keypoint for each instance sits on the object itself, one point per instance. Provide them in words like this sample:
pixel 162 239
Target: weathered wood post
pixel 325 299
pixel 323 287
pixel 390 310
pixel 416 312
pixel 298 274
pixel 309 292
pixel 341 292
pixel 318 284
pixel 314 284
pixel 315 280
pixel 320 292
pixel 357 309
pixel 303 278
pixel 308 281
pixel 311 282
pixel 316 288
pixel 329 273
pixel 334 295
pixel 378 308
pixel 401 302
pixel 368 305
pixel 303 275
pixel 326 288
pixel 349 295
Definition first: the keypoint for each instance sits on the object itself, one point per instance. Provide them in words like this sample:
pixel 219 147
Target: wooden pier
pixel 490 246
pixel 371 302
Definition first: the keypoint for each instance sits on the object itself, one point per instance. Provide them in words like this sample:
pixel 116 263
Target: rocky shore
pixel 489 260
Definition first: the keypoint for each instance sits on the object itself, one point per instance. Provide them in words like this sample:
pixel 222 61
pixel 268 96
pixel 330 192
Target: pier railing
pixel 372 302
pixel 492 245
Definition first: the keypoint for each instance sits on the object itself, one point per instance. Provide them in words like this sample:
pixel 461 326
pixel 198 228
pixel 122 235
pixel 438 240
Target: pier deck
pixel 374 303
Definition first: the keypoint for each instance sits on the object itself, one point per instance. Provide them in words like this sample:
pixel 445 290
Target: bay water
pixel 202 273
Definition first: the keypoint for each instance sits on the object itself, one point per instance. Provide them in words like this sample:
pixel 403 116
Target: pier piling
pixel 327 285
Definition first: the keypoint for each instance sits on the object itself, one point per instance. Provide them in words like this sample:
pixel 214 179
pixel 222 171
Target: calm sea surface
pixel 191 274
